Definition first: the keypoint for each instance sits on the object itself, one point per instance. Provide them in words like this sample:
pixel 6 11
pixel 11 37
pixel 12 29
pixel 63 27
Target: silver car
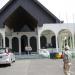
pixel 6 56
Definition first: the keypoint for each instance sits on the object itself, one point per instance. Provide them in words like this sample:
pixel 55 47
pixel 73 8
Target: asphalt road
pixel 36 67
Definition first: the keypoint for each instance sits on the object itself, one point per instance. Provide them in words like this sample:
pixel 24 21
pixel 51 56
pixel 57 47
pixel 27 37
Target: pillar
pixel 56 43
pixel 4 40
pixel 70 42
pixel 60 42
pixel 38 43
pixel 73 40
pixel 19 46
pixel 28 41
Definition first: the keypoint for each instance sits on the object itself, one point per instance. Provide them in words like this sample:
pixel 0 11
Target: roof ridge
pixel 37 2
pixel 44 8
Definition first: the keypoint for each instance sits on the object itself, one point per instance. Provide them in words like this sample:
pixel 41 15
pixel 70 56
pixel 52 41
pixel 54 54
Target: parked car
pixel 6 56
pixel 44 52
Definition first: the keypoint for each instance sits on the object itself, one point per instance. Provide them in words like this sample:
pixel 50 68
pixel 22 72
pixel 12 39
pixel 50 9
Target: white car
pixel 6 56
pixel 44 52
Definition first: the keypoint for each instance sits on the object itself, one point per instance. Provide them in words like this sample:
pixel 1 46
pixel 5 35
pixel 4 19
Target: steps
pixel 30 56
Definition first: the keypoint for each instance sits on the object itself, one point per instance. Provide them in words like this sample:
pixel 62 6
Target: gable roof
pixel 37 2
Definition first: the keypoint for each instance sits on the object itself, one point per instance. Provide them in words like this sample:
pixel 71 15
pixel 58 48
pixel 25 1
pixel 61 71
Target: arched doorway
pixel 53 41
pixel 24 42
pixel 47 39
pixel 15 44
pixel 6 42
pixel 33 43
pixel 43 41
pixel 65 38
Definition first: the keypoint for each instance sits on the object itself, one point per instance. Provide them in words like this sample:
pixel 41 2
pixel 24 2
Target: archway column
pixel 73 39
pixel 60 42
pixel 38 43
pixel 28 41
pixel 70 42
pixel 4 40
pixel 19 46
pixel 57 43
pixel 10 42
pixel 0 42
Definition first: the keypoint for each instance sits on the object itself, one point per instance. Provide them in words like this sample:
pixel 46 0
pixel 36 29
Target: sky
pixel 63 9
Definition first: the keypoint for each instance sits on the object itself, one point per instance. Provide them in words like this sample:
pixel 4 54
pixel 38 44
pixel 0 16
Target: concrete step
pixel 30 56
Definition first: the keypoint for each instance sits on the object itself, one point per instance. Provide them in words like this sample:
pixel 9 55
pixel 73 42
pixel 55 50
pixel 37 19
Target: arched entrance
pixel 65 38
pixel 43 41
pixel 47 39
pixel 6 42
pixel 53 41
pixel 24 42
pixel 15 44
pixel 33 43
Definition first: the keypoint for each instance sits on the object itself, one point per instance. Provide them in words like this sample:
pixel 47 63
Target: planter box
pixel 55 55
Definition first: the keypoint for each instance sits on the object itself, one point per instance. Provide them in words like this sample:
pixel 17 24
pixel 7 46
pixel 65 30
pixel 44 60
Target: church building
pixel 28 22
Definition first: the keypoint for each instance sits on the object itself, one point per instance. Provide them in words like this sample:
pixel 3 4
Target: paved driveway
pixel 36 67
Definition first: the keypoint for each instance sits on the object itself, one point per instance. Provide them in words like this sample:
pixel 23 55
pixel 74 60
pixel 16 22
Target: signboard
pixel 28 48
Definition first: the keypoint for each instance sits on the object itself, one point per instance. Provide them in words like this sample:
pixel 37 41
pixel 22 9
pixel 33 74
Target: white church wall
pixel 56 27
pixel 20 34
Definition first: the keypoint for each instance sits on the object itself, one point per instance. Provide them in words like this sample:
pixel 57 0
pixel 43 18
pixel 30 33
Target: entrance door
pixel 43 41
pixel 15 44
pixel 33 43
pixel 6 42
pixel 53 41
pixel 24 42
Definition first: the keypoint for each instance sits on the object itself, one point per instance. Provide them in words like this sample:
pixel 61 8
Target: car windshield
pixel 2 50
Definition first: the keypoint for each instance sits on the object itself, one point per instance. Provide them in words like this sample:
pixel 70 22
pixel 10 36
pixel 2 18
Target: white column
pixel 73 40
pixel 60 43
pixel 70 42
pixel 19 46
pixel 38 39
pixel 4 41
pixel 56 43
pixel 28 41
pixel 1 42
pixel 38 43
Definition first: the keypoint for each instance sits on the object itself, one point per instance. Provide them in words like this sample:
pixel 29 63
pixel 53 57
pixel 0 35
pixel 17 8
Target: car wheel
pixel 9 64
pixel 14 61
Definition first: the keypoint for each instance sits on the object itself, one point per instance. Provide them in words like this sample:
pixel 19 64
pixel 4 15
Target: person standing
pixel 67 60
